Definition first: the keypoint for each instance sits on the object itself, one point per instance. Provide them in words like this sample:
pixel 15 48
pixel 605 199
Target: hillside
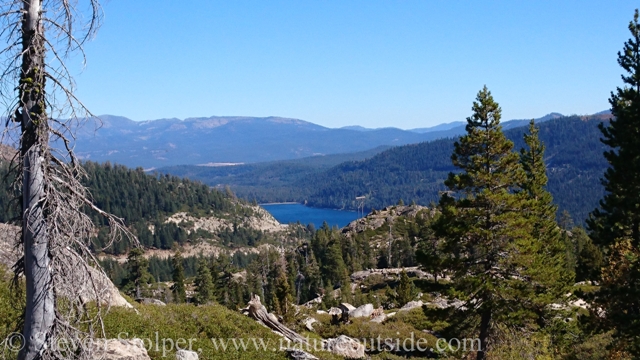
pixel 358 271
pixel 266 174
pixel 416 172
pixel 166 211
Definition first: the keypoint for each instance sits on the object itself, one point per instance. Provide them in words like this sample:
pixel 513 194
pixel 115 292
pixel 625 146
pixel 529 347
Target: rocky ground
pixel 377 218
pixel 261 220
pixel 204 248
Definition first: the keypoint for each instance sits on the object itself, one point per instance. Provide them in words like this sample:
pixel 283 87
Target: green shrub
pixel 12 303
pixel 419 320
pixel 363 328
pixel 201 324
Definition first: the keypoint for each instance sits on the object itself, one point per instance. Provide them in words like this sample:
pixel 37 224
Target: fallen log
pixel 258 312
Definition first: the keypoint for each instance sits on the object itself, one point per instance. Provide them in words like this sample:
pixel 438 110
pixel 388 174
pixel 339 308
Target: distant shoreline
pixel 281 203
pixel 311 207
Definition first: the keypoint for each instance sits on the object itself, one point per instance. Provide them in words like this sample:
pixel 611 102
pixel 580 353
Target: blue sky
pixel 335 63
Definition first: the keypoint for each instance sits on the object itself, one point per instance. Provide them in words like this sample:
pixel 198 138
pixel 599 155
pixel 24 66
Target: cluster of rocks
pixel 261 220
pixel 345 312
pixel 438 302
pixel 411 272
pixel 344 346
pixel 377 218
pixel 134 349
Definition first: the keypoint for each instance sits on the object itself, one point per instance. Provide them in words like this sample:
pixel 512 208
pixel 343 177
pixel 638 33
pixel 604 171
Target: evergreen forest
pixel 523 243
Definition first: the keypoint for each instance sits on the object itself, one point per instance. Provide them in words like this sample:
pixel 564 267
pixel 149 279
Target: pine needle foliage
pixel 494 218
pixel 178 289
pixel 204 284
pixel 615 226
pixel 546 249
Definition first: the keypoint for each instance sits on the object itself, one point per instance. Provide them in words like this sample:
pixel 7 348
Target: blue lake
pixel 291 213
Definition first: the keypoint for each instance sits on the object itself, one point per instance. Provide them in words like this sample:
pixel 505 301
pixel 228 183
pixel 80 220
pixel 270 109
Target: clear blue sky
pixel 374 63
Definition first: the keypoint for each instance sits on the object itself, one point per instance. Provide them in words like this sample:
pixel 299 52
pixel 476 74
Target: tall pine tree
pixel 405 290
pixel 616 225
pixel 179 293
pixel 139 277
pixel 204 283
pixel 483 227
pixel 545 253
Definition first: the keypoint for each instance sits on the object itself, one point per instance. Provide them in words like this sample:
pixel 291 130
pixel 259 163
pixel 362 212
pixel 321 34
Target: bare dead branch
pixel 61 31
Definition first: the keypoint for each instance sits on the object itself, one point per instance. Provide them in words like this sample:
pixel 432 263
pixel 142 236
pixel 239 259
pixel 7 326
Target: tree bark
pixel 39 316
pixel 485 322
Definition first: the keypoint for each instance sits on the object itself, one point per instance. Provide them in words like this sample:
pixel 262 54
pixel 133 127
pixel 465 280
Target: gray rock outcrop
pixel 345 346
pixel 411 272
pixel 378 315
pixel 346 307
pixel 308 323
pixel 97 287
pixel 362 311
pixel 313 302
pixel 88 285
pixel 116 349
pixel 297 354
pixel 150 301
pixel 186 355
pixel 411 305
pixel 377 218
pixel 442 303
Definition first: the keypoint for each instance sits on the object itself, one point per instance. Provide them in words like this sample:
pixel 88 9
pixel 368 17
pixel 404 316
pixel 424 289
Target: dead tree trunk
pixel 259 313
pixel 39 316
pixel 56 231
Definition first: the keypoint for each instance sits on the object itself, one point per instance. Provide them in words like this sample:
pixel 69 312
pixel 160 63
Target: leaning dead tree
pixel 258 312
pixel 42 113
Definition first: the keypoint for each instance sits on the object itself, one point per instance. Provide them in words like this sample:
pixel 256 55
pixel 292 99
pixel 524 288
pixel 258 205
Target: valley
pixel 381 192
pixel 415 172
pixel 388 264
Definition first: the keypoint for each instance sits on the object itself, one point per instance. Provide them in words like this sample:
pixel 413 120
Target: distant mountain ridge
pixel 441 127
pixel 236 139
pixel 416 172
pixel 167 142
pixel 459 126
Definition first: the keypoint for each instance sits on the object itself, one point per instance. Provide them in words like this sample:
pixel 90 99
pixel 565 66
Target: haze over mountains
pixel 277 158
pixel 415 172
pixel 236 139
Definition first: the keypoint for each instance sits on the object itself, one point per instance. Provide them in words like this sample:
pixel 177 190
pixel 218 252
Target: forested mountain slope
pixel 267 174
pixel 163 211
pixel 416 172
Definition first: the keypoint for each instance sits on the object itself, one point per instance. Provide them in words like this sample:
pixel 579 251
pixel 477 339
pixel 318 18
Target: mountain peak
pixel 550 116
